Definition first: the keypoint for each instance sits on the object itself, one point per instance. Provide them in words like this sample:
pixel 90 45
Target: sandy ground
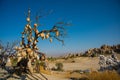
pixel 80 63
pixel 35 76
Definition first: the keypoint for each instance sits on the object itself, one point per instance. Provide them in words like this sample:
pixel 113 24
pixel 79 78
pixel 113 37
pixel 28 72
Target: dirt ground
pixel 80 63
pixel 69 65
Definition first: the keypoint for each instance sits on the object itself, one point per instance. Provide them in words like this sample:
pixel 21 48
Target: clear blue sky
pixel 94 22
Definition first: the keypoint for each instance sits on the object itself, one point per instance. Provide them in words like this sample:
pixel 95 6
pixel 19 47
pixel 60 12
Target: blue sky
pixel 94 22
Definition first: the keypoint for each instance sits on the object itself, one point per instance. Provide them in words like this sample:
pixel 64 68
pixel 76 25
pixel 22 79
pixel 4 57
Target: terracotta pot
pixel 28 19
pixel 35 25
pixel 29 50
pixel 47 35
pixel 50 39
pixel 42 34
pixel 57 33
pixel 37 31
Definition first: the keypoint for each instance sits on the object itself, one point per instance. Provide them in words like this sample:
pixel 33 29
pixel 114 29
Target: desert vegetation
pixel 106 75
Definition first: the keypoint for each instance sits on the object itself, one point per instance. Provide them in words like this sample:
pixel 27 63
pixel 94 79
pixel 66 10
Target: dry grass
pixel 107 75
pixel 61 74
pixel 44 71
pixel 80 63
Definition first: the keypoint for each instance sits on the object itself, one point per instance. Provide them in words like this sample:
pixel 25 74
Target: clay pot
pixel 36 31
pixel 29 50
pixel 16 48
pixel 57 33
pixel 35 25
pixel 23 53
pixel 28 19
pixel 47 35
pixel 50 40
pixel 42 34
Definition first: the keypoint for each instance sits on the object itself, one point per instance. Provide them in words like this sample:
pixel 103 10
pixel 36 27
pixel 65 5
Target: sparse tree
pixel 5 51
pixel 31 34
pixel 8 47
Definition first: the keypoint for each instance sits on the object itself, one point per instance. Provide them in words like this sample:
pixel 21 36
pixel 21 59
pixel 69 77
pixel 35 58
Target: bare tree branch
pixel 59 40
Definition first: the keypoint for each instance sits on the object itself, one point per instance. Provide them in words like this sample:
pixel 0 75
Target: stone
pixel 109 63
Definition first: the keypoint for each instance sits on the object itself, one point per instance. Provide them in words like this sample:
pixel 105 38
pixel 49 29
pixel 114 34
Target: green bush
pixel 59 66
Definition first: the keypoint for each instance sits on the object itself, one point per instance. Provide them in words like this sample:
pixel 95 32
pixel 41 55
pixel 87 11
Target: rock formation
pixel 109 63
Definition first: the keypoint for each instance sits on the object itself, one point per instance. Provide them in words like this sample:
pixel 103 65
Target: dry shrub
pixel 106 75
pixel 42 70
pixel 59 66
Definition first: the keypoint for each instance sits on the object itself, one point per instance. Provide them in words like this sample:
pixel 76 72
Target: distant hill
pixel 104 50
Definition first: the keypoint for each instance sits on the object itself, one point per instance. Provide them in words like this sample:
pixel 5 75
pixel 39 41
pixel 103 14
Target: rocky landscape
pixel 73 66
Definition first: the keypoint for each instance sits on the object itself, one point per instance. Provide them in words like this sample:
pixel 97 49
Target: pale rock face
pixel 109 63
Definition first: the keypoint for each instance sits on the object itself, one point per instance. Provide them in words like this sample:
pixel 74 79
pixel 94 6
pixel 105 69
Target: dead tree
pixel 5 51
pixel 31 34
